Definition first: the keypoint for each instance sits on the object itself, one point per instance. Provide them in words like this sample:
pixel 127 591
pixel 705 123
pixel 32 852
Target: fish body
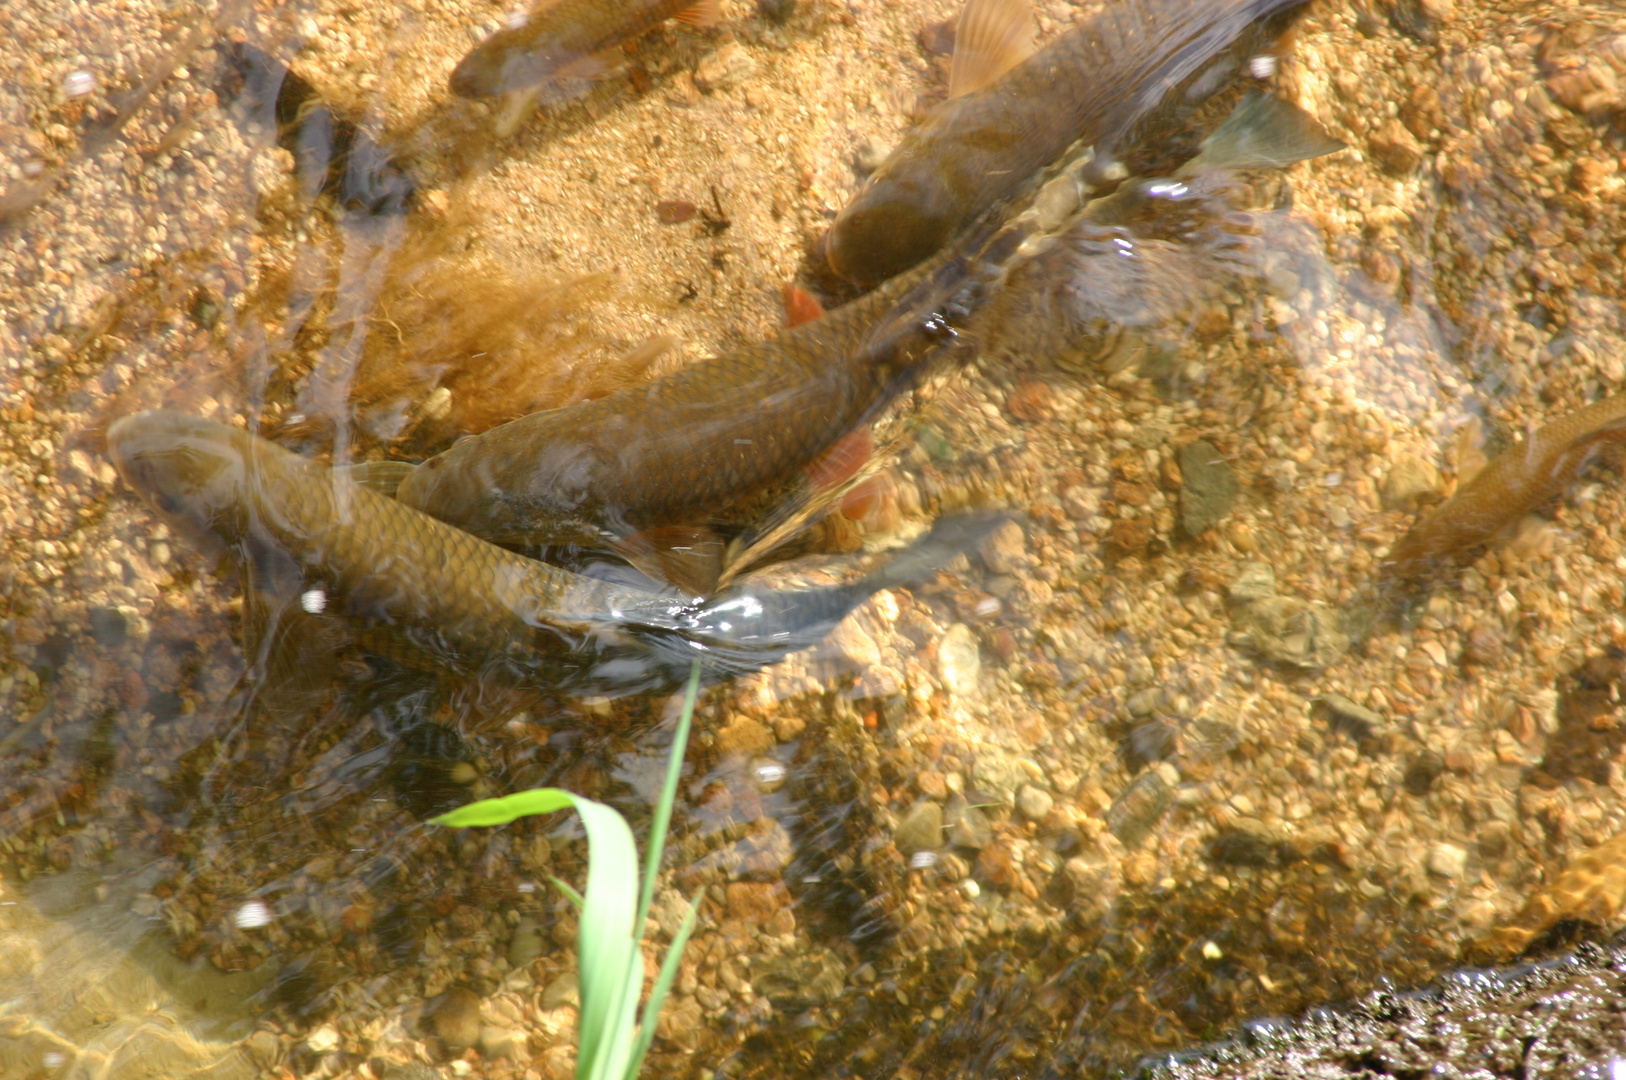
pixel 1104 82
pixel 695 446
pixel 386 567
pixel 1510 486
pixel 563 39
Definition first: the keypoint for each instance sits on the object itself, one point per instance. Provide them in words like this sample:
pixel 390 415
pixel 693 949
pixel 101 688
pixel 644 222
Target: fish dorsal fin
pixel 993 37
pixel 1264 132
pixel 381 477
pixel 687 556
pixel 704 14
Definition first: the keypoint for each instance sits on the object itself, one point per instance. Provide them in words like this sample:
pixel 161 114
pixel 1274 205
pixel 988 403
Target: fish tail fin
pixel 704 14
pixel 992 37
pixel 1264 132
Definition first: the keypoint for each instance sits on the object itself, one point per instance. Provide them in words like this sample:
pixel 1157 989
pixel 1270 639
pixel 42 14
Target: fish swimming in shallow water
pixel 1511 485
pixel 563 40
pixel 1102 82
pixel 352 552
pixel 698 447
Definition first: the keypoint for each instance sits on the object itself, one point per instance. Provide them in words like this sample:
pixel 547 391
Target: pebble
pixel 729 66
pixel 1208 488
pixel 1447 860
pixel 968 825
pixel 1004 551
pixel 743 737
pixel 565 990
pixel 921 829
pixel 454 1018
pixel 959 661
pixel 1397 148
pixel 504 1042
pixel 526 943
pixel 1409 480
pixel 1356 721
pixel 1034 803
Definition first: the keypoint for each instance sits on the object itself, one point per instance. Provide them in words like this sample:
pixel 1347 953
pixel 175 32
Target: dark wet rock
pixel 1421 772
pixel 304 986
pixel 921 829
pixel 1151 742
pixel 1208 488
pixel 777 11
pixel 454 1018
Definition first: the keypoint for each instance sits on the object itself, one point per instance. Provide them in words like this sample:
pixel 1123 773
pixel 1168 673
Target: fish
pixel 563 40
pixel 708 446
pixel 1105 82
pixel 404 579
pixel 1508 487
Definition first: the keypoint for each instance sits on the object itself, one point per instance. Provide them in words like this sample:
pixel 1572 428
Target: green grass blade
pixel 571 894
pixel 662 819
pixel 663 983
pixel 508 808
pixel 607 940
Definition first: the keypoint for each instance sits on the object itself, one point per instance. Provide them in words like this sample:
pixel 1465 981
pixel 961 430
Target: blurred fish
pixel 400 576
pixel 1510 486
pixel 563 40
pixel 1104 82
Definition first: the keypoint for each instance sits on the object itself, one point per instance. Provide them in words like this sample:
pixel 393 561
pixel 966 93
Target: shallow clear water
pixel 1170 751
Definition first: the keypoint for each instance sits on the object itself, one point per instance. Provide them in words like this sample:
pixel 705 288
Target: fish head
pixel 191 470
pixel 902 216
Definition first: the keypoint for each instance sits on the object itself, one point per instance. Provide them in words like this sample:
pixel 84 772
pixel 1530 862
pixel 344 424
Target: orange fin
pixel 801 306
pixel 705 14
pixel 993 37
pixel 687 556
pixel 866 496
pixel 844 458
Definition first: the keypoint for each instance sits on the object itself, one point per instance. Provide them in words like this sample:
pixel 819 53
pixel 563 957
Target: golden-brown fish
pixel 563 40
pixel 1510 486
pixel 354 553
pixel 1102 82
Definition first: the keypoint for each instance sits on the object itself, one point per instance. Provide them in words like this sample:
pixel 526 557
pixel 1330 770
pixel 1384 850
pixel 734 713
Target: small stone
pixel 1447 860
pixel 1034 803
pixel 1030 400
pixel 1290 631
pixel 525 944
pixel 504 1042
pixel 679 1023
pixel 1356 721
pixel 1394 146
pixel 744 737
pixel 755 901
pixel 870 154
pixel 920 830
pixel 1004 550
pixel 729 66
pixel 968 826
pixel 930 783
pixel 323 1039
pixel 1410 480
pixel 1254 581
pixel 959 662
pixel 1208 488
pixel 454 1018
pixel 851 647
pixel 998 774
pixel 562 992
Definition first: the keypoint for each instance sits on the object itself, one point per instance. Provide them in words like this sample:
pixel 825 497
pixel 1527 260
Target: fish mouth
pixel 180 464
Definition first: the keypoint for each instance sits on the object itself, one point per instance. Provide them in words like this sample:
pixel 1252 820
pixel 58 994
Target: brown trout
pixel 354 553
pixel 1103 82
pixel 1511 485
pixel 562 40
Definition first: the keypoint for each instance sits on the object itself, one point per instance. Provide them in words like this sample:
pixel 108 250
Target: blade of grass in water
pixel 610 966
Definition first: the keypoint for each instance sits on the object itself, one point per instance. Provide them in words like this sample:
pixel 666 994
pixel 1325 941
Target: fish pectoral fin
pixel 993 36
pixel 705 14
pixel 801 306
pixel 1264 132
pixel 689 557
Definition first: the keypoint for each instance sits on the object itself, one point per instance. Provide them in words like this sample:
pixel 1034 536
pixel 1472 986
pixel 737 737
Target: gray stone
pixel 525 943
pixel 1004 550
pixel 921 829
pixel 1254 581
pixel 1290 631
pixel 968 826
pixel 454 1018
pixel 1034 803
pixel 1208 488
